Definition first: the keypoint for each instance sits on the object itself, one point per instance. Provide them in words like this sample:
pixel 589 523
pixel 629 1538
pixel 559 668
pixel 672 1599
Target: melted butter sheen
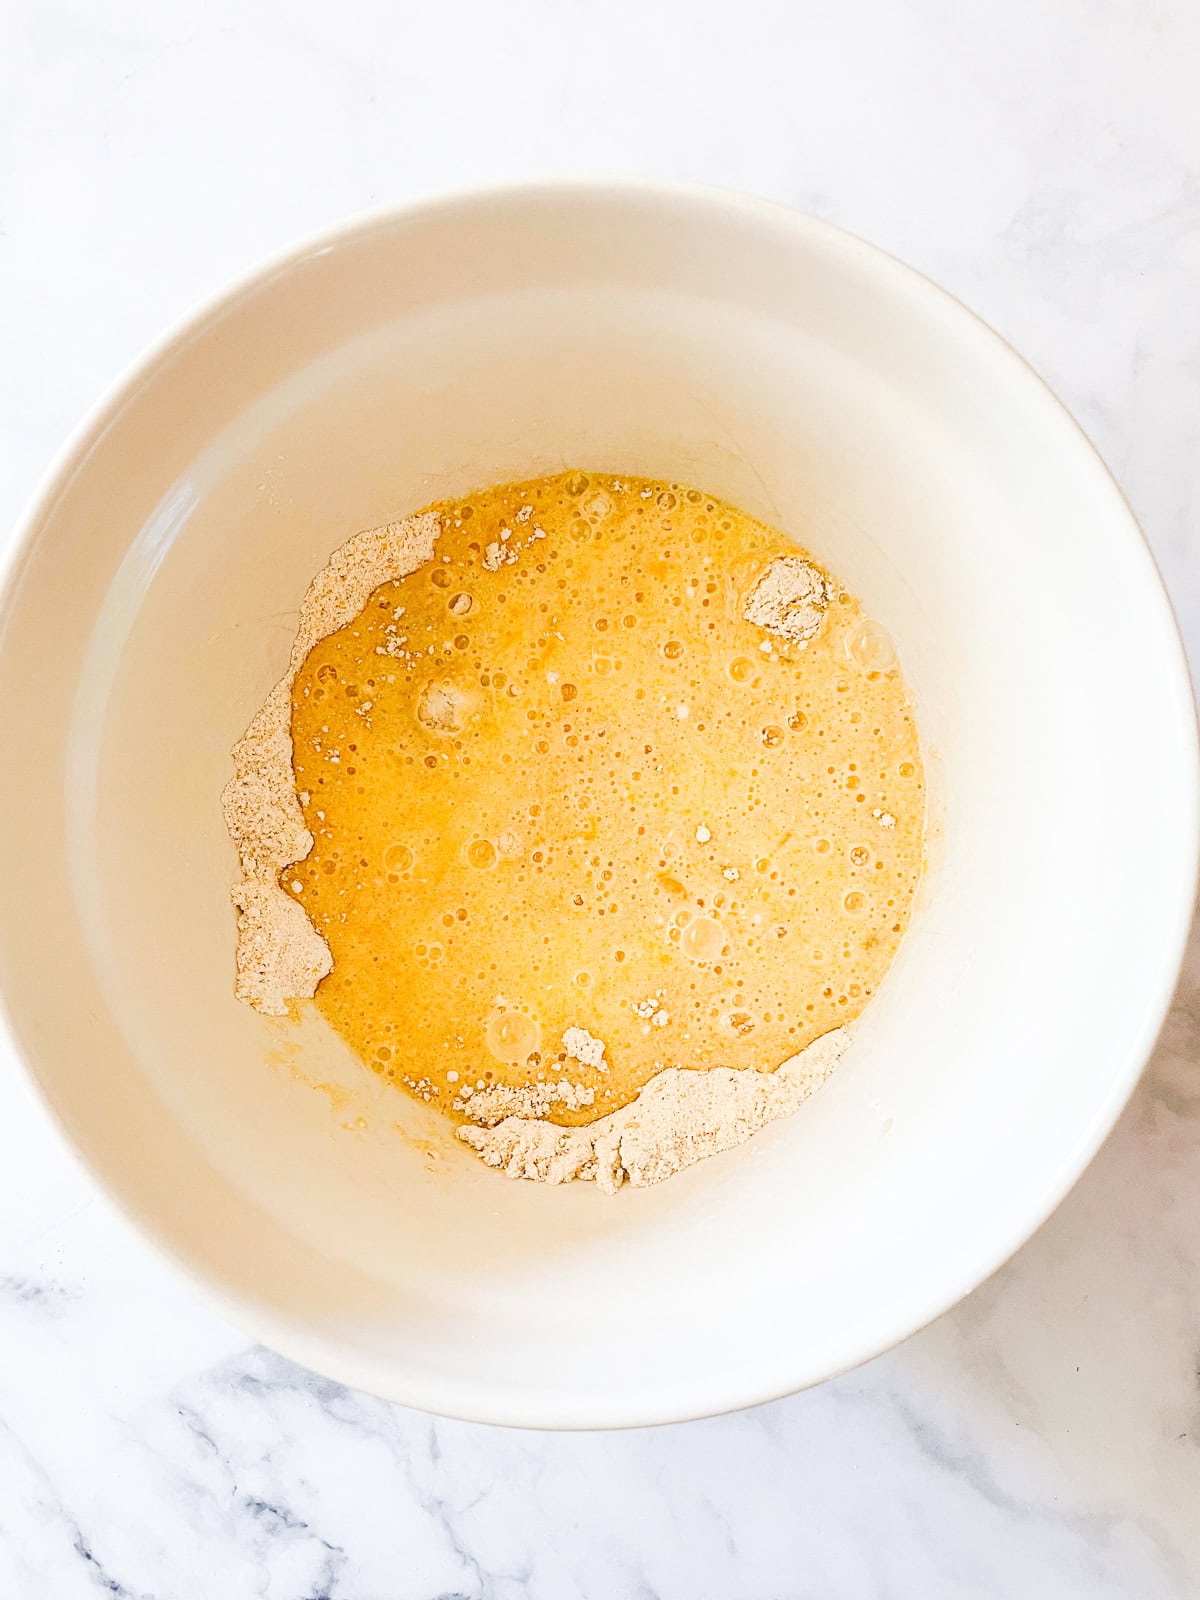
pixel 555 780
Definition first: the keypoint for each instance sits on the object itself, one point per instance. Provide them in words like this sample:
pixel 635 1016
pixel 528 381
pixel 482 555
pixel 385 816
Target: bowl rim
pixel 549 1410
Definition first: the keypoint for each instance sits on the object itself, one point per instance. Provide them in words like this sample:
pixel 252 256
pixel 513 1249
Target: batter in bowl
pixel 602 802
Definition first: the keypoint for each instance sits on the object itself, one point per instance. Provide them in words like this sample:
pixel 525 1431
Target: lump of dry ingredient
pixel 583 1046
pixel 789 599
pixel 280 955
pixel 442 707
pixel 680 1117
pixel 499 1100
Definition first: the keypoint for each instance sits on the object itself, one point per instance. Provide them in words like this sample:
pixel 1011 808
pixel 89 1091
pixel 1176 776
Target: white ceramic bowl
pixel 821 386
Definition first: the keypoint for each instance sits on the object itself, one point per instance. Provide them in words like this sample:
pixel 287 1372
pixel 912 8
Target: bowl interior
pixel 821 387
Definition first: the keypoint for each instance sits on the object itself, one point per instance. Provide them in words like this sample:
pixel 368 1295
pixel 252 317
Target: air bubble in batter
pixel 870 648
pixel 512 1036
pixel 703 939
pixel 397 858
pixel 481 853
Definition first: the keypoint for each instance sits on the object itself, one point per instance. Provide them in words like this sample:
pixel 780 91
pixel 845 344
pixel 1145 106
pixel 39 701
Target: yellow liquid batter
pixel 557 781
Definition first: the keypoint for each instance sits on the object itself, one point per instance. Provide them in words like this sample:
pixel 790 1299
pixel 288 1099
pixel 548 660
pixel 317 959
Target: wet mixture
pixel 586 804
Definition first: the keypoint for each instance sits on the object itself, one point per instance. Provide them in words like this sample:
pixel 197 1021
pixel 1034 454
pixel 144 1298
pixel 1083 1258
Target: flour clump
pixel 680 1117
pixel 789 599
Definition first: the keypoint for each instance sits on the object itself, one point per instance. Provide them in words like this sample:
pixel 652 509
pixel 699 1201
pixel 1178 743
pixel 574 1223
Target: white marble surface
pixel 1043 161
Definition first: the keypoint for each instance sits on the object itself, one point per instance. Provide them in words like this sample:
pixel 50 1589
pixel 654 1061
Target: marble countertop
pixel 1041 161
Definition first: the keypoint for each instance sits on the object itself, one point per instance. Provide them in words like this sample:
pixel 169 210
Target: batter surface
pixel 577 820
